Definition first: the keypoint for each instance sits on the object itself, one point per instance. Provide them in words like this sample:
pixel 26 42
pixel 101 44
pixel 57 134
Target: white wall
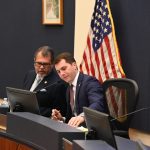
pixel 84 10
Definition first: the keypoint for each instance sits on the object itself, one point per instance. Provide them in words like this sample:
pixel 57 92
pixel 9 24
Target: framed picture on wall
pixel 52 12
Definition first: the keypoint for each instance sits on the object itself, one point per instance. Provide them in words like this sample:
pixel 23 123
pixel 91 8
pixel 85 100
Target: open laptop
pixel 26 99
pixel 98 124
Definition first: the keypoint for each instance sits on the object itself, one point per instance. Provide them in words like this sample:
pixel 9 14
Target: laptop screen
pixel 24 98
pixel 99 124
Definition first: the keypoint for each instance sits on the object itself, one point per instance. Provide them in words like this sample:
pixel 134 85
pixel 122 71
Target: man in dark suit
pixel 87 91
pixel 46 82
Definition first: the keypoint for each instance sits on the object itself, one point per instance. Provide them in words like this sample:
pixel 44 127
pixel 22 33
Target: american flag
pixel 101 56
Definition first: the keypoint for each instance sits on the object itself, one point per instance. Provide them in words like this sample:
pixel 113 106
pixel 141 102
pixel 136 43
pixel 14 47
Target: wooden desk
pixel 135 135
pixel 6 143
pixel 3 121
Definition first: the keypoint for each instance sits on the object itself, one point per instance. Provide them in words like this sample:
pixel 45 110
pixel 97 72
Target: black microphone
pixel 131 113
pixel 49 85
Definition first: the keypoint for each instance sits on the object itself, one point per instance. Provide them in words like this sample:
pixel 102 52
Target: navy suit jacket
pixel 53 97
pixel 89 93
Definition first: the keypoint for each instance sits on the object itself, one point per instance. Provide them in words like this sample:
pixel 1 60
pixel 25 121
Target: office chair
pixel 121 95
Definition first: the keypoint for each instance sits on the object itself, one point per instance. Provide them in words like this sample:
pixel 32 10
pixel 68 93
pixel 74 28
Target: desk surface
pixel 122 144
pixel 91 145
pixel 40 130
pixel 28 119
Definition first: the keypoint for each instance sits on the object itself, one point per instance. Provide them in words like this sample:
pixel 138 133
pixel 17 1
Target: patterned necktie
pixel 71 97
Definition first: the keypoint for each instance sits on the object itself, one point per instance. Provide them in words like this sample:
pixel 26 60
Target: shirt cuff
pixel 82 114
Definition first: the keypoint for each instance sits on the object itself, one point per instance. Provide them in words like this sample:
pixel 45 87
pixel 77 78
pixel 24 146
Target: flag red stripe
pixel 123 101
pixel 113 100
pixel 107 42
pixel 90 56
pixel 104 64
pixel 98 65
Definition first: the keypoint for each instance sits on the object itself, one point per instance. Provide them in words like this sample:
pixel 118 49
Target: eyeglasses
pixel 39 64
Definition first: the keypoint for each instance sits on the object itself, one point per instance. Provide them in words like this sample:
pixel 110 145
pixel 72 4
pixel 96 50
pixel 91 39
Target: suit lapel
pixel 47 80
pixel 42 84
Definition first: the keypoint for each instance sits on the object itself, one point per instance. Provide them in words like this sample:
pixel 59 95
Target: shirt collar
pixel 74 83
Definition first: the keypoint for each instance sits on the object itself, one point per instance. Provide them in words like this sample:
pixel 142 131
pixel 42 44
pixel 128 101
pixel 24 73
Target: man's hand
pixel 56 115
pixel 76 121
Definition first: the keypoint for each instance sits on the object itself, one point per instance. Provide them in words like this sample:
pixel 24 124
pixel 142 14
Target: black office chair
pixel 121 95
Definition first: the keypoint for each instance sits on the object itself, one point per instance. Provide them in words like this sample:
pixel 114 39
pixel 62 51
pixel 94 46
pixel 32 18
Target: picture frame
pixel 52 12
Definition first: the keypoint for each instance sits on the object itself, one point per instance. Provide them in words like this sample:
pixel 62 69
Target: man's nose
pixel 61 73
pixel 41 66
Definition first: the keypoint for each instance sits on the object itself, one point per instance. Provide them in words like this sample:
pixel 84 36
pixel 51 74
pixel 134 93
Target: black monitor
pixel 99 126
pixel 26 100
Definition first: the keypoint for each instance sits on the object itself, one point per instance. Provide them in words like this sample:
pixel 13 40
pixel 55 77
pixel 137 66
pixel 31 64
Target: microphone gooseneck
pixel 49 85
pixel 131 113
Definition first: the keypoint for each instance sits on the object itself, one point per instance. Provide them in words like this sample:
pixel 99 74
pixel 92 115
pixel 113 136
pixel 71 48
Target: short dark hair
pixel 45 51
pixel 68 57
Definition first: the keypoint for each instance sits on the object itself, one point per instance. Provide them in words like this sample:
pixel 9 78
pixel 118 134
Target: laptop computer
pixel 26 99
pixel 98 124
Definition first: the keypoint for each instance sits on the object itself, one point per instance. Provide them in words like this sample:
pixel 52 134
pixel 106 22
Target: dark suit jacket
pixel 53 97
pixel 89 93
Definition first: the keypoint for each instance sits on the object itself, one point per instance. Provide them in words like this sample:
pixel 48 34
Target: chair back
pixel 121 95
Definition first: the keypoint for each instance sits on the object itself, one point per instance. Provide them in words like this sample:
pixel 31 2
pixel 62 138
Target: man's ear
pixel 74 64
